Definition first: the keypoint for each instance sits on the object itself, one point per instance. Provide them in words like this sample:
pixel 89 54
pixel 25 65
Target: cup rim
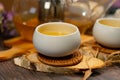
pixel 97 22
pixel 77 30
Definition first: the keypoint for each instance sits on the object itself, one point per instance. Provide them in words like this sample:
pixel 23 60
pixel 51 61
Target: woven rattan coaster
pixel 104 49
pixel 99 47
pixel 69 60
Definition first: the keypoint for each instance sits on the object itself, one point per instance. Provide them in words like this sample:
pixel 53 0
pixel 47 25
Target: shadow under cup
pixel 56 39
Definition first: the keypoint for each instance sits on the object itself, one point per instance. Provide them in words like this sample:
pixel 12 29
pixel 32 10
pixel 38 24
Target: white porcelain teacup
pixel 56 39
pixel 106 31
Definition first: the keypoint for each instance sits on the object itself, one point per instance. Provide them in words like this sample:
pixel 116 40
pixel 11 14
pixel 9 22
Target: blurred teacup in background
pixel 106 31
pixel 83 13
pixel 30 13
pixel 25 17
pixel 56 39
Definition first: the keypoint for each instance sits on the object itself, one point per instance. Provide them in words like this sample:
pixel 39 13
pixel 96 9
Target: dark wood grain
pixel 9 71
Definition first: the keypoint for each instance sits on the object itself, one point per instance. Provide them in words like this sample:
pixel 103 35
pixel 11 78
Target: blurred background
pixel 8 29
pixel 7 4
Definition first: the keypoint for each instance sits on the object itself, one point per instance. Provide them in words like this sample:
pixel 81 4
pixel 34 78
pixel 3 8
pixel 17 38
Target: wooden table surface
pixel 9 71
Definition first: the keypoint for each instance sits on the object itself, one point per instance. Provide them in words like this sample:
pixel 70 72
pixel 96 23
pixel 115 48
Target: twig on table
pixel 87 72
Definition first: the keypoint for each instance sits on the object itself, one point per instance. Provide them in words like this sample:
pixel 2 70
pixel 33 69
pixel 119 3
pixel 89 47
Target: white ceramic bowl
pixel 106 31
pixel 56 45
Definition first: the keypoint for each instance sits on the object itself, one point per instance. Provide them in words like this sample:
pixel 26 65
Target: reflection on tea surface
pixel 56 30
pixel 55 33
pixel 112 23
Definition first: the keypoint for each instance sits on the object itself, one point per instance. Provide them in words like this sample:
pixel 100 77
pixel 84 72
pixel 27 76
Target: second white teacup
pixel 106 31
pixel 56 39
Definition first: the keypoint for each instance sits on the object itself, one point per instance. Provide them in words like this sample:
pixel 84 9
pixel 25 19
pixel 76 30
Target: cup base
pixel 69 60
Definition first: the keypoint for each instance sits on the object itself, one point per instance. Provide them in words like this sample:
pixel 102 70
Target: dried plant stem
pixel 87 72
pixel 117 53
pixel 97 53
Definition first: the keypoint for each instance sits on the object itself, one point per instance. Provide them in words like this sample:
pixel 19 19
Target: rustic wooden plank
pixel 9 71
